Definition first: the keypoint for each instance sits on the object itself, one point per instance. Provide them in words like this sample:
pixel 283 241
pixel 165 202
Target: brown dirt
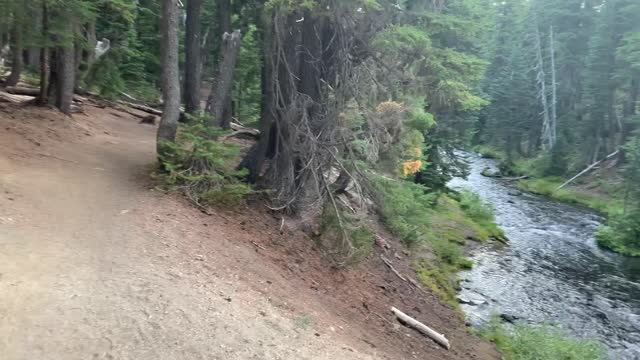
pixel 96 263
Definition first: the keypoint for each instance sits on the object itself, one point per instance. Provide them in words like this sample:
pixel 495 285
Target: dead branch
pixel 390 266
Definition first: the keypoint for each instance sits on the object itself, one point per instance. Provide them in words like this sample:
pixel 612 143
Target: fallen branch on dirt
pixel 588 169
pixel 424 329
pixel 388 263
pixel 56 157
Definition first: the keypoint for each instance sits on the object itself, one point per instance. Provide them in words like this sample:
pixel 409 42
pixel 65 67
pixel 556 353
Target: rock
pixel 514 193
pixel 509 318
pixel 511 201
pixel 488 172
pixel 471 301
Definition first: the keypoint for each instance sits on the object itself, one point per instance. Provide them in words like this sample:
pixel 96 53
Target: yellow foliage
pixel 411 167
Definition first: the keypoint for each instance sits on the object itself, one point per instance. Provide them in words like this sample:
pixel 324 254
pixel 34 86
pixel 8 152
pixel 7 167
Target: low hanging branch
pixel 588 169
pixel 424 329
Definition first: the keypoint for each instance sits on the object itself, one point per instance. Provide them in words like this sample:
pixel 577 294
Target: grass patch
pixel 489 152
pixel 571 195
pixel 437 227
pixel 544 342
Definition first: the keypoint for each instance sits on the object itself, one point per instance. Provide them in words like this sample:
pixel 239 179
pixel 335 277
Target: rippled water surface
pixel 552 270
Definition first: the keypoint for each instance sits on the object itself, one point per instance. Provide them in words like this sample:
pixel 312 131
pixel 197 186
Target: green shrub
pixel 621 234
pixel 544 342
pixel 203 167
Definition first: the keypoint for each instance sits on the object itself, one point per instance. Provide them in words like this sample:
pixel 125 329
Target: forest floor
pixel 96 263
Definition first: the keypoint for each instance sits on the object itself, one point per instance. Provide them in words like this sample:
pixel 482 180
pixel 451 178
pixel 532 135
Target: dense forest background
pixel 351 96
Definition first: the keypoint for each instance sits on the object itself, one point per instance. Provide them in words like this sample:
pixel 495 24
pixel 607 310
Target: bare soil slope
pixel 96 264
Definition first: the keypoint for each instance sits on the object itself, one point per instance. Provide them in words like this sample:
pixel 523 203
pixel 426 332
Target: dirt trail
pixel 95 264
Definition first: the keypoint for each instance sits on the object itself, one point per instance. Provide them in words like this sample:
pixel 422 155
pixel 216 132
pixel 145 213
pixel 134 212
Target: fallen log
pixel 424 329
pixel 15 99
pixel 588 169
pixel 144 108
pixel 26 91
pixel 515 178
pixel 18 90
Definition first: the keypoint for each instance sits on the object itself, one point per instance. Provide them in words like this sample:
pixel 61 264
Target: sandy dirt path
pixel 94 264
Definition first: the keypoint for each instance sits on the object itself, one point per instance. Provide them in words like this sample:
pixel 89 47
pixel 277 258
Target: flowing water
pixel 551 270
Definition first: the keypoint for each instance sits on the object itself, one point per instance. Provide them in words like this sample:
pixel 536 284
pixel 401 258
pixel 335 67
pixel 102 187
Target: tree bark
pixel 170 76
pixel 221 89
pixel 193 67
pixel 44 57
pixel 16 55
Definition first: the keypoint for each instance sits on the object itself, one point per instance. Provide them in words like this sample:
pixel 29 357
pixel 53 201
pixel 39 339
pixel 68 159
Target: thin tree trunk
pixel 92 40
pixel 221 89
pixel 554 97
pixel 542 93
pixel 224 13
pixel 170 76
pixel 16 54
pixel 44 57
pixel 193 68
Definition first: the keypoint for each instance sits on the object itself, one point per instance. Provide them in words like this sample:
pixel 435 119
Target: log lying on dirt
pixel 144 108
pixel 15 99
pixel 17 90
pixel 424 329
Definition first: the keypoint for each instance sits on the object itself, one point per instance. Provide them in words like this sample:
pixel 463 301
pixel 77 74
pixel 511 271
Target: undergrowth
pixel 540 342
pixel 203 167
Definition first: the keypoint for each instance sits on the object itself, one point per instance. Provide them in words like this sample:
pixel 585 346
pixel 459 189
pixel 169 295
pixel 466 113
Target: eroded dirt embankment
pixel 95 263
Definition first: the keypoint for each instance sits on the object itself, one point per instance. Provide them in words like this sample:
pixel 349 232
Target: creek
pixel 552 270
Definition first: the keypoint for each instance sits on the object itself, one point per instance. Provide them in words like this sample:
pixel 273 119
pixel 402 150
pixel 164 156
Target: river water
pixel 552 270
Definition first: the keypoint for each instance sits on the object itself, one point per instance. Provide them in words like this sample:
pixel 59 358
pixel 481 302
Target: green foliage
pixel 482 213
pixel 246 90
pixel 622 232
pixel 547 187
pixel 203 167
pixel 540 342
pixel 436 224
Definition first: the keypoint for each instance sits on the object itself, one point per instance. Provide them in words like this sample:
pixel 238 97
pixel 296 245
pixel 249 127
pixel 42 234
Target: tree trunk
pixel 221 89
pixel 44 58
pixel 92 41
pixel 224 13
pixel 66 64
pixel 16 55
pixel 170 76
pixel 193 68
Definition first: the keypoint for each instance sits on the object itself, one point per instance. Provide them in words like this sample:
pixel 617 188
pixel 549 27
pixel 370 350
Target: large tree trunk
pixel 193 68
pixel 221 89
pixel 16 55
pixel 170 76
pixel 44 58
